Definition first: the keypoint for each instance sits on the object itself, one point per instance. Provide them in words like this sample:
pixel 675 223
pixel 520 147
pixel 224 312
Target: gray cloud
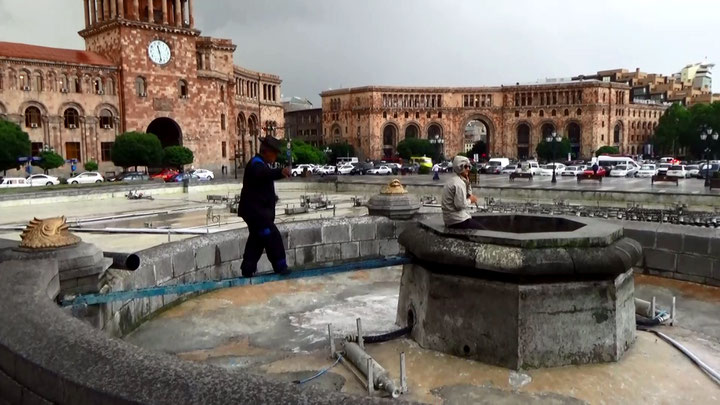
pixel 319 44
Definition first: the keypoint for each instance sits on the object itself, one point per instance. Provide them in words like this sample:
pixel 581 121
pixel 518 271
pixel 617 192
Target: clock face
pixel 159 52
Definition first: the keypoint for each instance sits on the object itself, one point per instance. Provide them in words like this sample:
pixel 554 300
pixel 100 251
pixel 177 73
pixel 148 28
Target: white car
pixel 345 169
pixel 43 180
pixel 534 167
pixel 574 170
pixel 693 170
pixel 326 170
pixel 204 174
pixel 677 171
pixel 509 169
pixel 14 182
pixel 380 170
pixel 663 168
pixel 299 169
pixel 623 171
pixel 648 170
pixel 547 170
pixel 87 178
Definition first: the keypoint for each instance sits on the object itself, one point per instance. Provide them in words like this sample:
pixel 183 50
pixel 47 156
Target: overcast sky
pixel 315 45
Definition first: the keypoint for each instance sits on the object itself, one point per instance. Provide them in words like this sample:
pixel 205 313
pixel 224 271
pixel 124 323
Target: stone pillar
pixel 94 12
pixel 87 13
pixel 136 10
pixel 106 10
pixel 191 16
pixel 164 12
pixel 121 8
pixel 151 11
pixel 178 13
pixel 113 9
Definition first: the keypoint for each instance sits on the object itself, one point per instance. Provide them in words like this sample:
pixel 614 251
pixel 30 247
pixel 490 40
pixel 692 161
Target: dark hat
pixel 272 143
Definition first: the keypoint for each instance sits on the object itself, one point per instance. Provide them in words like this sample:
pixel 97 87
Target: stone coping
pixel 48 356
pixel 589 233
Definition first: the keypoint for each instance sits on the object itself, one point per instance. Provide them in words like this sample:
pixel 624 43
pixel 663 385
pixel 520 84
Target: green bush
pixel 91 166
pixel 303 153
pixel 716 175
pixel 562 149
pixel 137 149
pixel 410 147
pixel 610 150
pixel 14 143
pixel 49 160
pixel 177 157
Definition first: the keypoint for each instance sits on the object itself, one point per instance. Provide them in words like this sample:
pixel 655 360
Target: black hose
pixel 643 321
pixel 385 337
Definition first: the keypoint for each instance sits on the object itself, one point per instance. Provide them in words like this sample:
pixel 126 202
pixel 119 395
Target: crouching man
pixel 457 197
pixel 257 208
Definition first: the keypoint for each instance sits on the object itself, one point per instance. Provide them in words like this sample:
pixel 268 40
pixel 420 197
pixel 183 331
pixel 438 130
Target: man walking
pixel 257 208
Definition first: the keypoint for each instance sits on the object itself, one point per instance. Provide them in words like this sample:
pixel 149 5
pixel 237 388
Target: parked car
pixel 326 170
pixel 129 176
pixel 14 182
pixel 677 171
pixel 623 170
pixel 547 170
pixel 204 174
pixel 534 167
pixel 409 168
pixel 601 171
pixel 714 167
pixel 42 180
pixel 299 169
pixel 574 170
pixel 509 169
pixel 692 170
pixel 87 178
pixel 345 169
pixel 446 167
pixel 381 170
pixel 648 170
pixel 178 178
pixel 663 168
pixel 165 174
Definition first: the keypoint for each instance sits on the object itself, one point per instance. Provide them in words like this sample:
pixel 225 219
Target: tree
pixel 91 166
pixel 49 160
pixel 177 156
pixel 341 150
pixel 410 147
pixel 14 143
pixel 544 149
pixel 675 122
pixel 607 150
pixel 304 153
pixel 136 149
pixel 479 148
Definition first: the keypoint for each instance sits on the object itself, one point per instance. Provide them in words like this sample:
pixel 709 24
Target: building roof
pixel 43 53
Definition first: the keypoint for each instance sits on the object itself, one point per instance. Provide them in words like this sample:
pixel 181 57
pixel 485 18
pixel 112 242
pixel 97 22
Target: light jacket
pixel 455 201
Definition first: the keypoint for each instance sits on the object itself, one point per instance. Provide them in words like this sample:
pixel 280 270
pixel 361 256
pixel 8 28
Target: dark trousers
pixel 263 236
pixel 470 223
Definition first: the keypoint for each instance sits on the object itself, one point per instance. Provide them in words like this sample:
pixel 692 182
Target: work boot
pixel 284 272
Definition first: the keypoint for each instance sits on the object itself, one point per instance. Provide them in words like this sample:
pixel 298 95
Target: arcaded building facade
pixel 511 120
pixel 145 68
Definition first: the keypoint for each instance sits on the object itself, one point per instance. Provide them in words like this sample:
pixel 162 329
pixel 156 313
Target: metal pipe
pixel 124 261
pixel 366 364
pixel 403 374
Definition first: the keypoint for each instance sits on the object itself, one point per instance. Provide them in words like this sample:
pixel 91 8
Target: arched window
pixel 33 117
pixel 553 113
pixel 578 112
pixel 529 114
pixel 71 118
pixel 140 87
pixel 110 86
pixel 98 86
pixel 183 89
pixel 24 80
pixel 106 119
pixel 77 84
pixel 2 80
pixel 632 125
pixel 51 81
pixel 38 81
pixel 567 112
pixel 64 83
pixel 542 113
pixel 222 93
pixel 385 114
pixel 407 115
pixel 222 122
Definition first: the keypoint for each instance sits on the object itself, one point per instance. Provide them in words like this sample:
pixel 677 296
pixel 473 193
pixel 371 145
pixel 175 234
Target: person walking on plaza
pixel 257 209
pixel 457 197
pixel 436 171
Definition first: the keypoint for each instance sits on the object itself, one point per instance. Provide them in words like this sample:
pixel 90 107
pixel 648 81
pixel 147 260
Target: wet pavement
pixel 279 329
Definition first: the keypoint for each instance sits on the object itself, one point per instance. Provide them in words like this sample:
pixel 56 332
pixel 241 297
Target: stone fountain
pixel 394 202
pixel 529 291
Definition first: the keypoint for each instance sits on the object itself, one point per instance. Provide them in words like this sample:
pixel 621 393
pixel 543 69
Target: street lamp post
pixel 707 135
pixel 553 139
pixel 438 141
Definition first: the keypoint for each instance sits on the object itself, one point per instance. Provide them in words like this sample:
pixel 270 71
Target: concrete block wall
pixel 686 253
pixel 308 244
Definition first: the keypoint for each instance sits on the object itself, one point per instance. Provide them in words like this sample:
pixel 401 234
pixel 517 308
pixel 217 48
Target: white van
pixel 346 160
pixel 13 182
pixel 502 162
pixel 609 161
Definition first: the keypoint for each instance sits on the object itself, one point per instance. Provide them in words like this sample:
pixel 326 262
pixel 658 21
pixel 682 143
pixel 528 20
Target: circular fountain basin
pixel 529 291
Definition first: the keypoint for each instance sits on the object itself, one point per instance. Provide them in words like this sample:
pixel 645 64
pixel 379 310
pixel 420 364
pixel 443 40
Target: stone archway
pixel 617 134
pixel 167 130
pixel 478 128
pixel 390 135
pixel 547 129
pixel 412 131
pixel 523 141
pixel 574 133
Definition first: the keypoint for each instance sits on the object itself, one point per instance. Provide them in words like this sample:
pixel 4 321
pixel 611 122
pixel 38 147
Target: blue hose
pixel 320 373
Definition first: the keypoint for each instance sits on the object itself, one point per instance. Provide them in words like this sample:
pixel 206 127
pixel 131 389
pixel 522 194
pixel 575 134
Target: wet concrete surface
pixel 279 330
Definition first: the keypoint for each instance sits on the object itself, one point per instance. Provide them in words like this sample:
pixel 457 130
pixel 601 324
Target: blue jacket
pixel 258 199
